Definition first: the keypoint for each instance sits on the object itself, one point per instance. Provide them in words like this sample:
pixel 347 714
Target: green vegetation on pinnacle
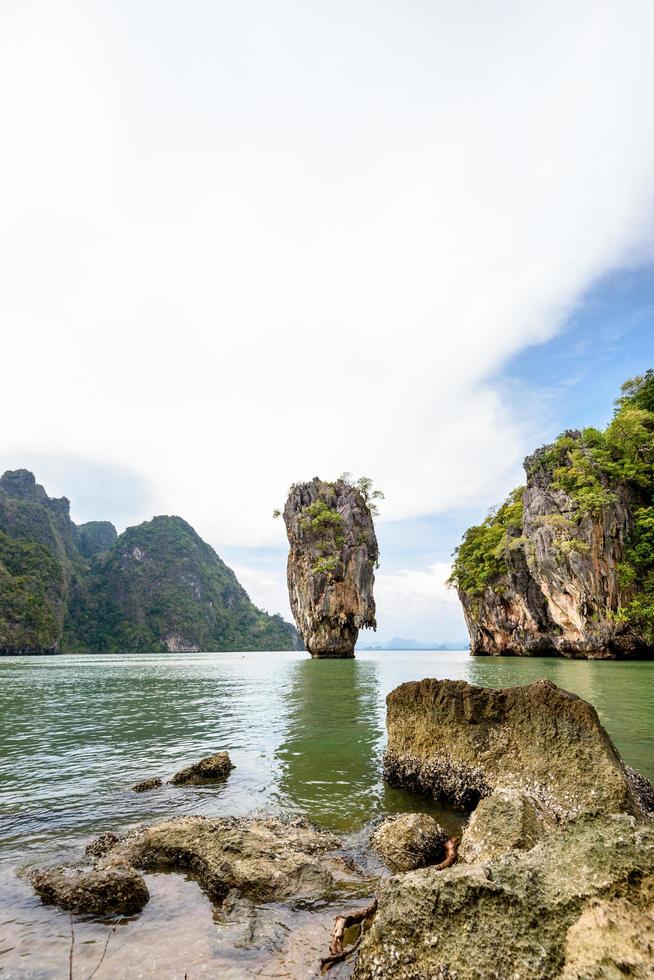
pixel 592 467
pixel 156 587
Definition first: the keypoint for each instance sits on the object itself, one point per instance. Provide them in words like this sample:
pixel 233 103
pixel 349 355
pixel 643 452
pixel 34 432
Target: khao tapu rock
pixel 331 563
pixel 458 742
pixel 566 565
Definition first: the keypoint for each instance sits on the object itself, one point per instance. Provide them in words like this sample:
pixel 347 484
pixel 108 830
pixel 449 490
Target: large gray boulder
pixel 459 742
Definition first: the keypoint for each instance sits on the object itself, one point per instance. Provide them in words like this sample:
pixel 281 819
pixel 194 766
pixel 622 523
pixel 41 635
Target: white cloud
pixel 243 244
pixel 418 604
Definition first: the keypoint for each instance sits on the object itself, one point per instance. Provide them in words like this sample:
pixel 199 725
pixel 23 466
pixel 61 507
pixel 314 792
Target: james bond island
pixel 566 564
pixel 331 563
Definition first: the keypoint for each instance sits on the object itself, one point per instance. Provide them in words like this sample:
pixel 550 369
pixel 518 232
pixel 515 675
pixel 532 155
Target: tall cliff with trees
pixel 83 588
pixel 566 564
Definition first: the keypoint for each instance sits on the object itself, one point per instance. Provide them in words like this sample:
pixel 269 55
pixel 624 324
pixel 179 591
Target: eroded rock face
pixel 561 589
pixel 458 742
pixel 408 841
pixel 333 552
pixel 522 914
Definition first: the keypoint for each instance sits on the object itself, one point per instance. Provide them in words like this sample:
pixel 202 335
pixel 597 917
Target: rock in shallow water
pixel 115 889
pixel 408 841
pixel 213 768
pixel 153 782
pixel 266 859
pixel 459 742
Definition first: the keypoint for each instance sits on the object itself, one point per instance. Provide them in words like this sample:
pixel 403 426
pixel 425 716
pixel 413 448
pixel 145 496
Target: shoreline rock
pixel 265 859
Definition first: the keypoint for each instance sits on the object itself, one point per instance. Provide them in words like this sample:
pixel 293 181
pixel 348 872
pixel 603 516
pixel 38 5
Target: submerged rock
pixel 114 889
pixel 458 742
pixel 213 768
pixel 153 782
pixel 333 553
pixel 521 914
pixel 266 860
pixel 408 841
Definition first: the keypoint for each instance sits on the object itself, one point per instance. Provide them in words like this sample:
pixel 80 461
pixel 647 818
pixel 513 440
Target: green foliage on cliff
pixel 482 555
pixel 590 466
pixel 162 586
pixel 31 596
pixel 157 586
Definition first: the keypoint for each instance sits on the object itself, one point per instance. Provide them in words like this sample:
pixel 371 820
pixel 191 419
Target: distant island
pixel 68 588
pixel 399 643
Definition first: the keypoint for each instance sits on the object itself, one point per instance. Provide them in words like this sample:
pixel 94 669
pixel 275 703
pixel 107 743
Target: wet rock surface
pixel 331 562
pixel 459 742
pixel 213 768
pixel 263 860
pixel 152 782
pixel 408 841
pixel 112 889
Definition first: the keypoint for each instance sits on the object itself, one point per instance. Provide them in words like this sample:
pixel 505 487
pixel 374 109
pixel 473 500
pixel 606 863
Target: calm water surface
pixel 306 737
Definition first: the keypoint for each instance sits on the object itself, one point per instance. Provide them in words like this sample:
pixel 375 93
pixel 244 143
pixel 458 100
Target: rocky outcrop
pixel 523 914
pixel 265 859
pixel 145 785
pixel 459 743
pixel 408 841
pixel 559 589
pixel 555 871
pixel 95 537
pixel 333 554
pixel 213 768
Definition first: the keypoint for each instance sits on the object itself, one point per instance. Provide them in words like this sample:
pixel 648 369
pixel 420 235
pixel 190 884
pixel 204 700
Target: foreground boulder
pixel 333 552
pixel 458 742
pixel 525 914
pixel 408 841
pixel 266 860
pixel 114 889
pixel 213 768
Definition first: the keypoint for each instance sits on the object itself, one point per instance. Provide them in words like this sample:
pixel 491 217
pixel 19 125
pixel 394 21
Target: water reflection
pixel 331 755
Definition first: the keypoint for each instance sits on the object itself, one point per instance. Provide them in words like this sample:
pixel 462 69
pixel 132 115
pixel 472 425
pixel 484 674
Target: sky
pixel 242 245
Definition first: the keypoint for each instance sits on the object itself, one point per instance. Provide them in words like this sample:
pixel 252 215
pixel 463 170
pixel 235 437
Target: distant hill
pixel 156 587
pixel 398 643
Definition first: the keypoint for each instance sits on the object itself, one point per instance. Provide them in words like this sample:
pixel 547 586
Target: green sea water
pixel 306 737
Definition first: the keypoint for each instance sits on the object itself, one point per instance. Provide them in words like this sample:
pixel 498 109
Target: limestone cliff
pixel 565 565
pixel 333 553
